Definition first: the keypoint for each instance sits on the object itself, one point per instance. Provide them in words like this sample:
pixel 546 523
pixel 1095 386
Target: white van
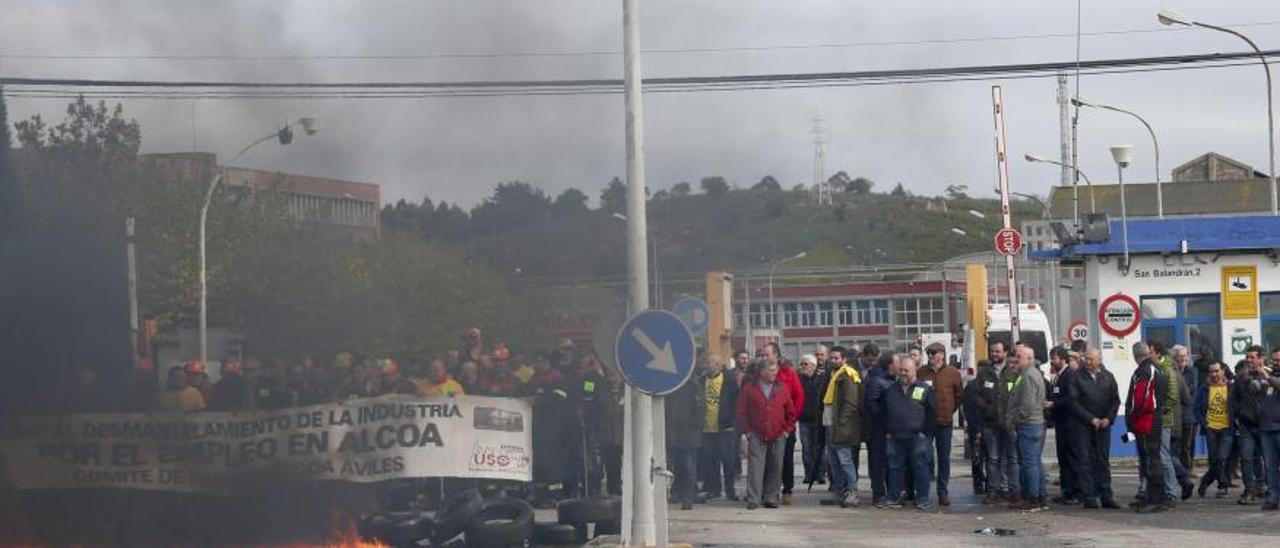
pixel 1034 324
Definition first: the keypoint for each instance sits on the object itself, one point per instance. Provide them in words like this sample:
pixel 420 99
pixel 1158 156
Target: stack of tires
pixel 466 519
pixel 605 513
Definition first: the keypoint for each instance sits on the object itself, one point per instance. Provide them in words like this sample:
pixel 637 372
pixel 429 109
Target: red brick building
pixel 346 206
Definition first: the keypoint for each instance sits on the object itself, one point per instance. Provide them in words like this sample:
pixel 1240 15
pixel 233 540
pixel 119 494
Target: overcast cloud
pixel 925 136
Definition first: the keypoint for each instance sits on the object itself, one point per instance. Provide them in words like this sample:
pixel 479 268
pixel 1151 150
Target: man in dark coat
pixel 686 410
pixel 604 415
pixel 1093 400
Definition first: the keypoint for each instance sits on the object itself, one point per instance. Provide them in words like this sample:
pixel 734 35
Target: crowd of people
pixel 901 408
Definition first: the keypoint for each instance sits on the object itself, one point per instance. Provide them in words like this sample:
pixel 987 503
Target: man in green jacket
pixel 1175 474
pixel 844 418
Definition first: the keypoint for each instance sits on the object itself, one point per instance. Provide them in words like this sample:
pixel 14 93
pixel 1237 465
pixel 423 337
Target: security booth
pixel 1211 284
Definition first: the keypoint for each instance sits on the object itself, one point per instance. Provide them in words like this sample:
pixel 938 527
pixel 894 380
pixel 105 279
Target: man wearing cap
pixel 947 389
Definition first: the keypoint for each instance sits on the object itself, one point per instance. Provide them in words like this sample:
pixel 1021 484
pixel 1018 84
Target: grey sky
pixel 924 135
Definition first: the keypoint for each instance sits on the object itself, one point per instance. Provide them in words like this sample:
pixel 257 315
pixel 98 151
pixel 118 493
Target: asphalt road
pixel 1202 522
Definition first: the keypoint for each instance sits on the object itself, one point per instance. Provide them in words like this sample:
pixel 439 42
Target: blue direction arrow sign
pixel 695 314
pixel 655 352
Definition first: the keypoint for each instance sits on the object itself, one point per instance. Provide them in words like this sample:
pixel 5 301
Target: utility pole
pixel 133 287
pixel 638 515
pixel 820 185
pixel 1064 130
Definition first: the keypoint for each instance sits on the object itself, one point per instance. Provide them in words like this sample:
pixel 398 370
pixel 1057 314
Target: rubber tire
pixel 407 532
pixel 554 533
pixel 376 525
pixel 501 522
pixel 589 510
pixel 611 527
pixel 455 515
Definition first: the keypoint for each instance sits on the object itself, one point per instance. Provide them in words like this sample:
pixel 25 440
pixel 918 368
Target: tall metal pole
pixel 133 287
pixel 204 288
pixel 641 506
pixel 1271 119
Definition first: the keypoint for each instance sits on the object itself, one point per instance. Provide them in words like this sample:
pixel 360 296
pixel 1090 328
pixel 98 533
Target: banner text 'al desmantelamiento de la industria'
pixel 362 440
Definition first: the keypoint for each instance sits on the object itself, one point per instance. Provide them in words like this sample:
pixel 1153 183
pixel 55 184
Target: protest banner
pixel 363 440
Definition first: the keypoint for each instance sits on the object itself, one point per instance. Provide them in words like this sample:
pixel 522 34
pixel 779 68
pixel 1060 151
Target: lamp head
pixel 1033 158
pixel 1122 154
pixel 1170 18
pixel 310 124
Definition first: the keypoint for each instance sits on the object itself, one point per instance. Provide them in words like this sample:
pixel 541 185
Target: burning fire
pixel 343 534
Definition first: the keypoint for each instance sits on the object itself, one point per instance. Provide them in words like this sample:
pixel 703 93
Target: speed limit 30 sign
pixel 1079 331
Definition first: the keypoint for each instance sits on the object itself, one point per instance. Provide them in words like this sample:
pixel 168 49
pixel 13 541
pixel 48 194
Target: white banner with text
pixel 363 440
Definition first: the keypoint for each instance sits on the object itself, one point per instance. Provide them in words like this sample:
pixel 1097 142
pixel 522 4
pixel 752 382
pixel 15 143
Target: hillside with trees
pixel 521 231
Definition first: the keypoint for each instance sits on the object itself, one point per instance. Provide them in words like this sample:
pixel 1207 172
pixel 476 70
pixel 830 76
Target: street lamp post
pixel 773 312
pixel 1093 206
pixel 1170 17
pixel 1154 143
pixel 285 136
pixel 1123 154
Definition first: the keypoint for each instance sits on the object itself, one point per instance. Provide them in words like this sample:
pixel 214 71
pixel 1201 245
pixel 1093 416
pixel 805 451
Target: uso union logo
pixel 1119 315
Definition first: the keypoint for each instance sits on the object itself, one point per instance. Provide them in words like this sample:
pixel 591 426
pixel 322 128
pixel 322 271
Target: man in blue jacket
pixel 879 378
pixel 908 410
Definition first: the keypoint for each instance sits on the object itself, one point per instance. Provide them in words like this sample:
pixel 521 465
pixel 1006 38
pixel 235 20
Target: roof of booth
pixel 1167 235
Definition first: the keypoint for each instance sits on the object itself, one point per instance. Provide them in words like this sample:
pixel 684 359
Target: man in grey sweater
pixel 1025 418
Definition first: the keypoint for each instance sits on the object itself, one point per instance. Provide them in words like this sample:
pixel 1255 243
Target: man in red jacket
pixel 790 378
pixel 766 413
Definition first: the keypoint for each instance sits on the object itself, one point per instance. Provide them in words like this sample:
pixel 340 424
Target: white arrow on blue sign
pixel 695 314
pixel 655 352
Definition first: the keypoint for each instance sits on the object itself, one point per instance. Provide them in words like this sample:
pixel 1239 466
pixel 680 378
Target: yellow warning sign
pixel 1240 292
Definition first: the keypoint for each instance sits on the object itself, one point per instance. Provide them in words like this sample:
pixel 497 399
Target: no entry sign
pixel 1119 315
pixel 1008 241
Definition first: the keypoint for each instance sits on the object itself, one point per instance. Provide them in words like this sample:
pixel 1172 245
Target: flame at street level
pixel 343 533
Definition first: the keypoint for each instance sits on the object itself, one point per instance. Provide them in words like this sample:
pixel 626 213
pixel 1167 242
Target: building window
pixel 824 314
pixel 864 313
pixel 881 309
pixel 1194 321
pixel 915 316
pixel 790 314
pixel 845 312
pixel 1271 320
pixel 808 314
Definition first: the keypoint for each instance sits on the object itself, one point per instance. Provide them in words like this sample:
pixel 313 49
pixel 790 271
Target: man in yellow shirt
pixel 178 395
pixel 1213 410
pixel 438 381
pixel 719 452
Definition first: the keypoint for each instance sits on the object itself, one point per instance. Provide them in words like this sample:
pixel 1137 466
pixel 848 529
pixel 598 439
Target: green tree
pixel 681 189
pixel 840 181
pixel 899 191
pixel 767 184
pixel 571 202
pixel 860 185
pixel 957 192
pixel 714 186
pixel 10 191
pixel 775 205
pixel 613 199
pixel 513 205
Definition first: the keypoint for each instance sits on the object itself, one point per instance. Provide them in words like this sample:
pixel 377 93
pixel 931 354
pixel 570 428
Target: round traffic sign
pixel 1119 315
pixel 694 313
pixel 1078 331
pixel 655 352
pixel 1008 241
